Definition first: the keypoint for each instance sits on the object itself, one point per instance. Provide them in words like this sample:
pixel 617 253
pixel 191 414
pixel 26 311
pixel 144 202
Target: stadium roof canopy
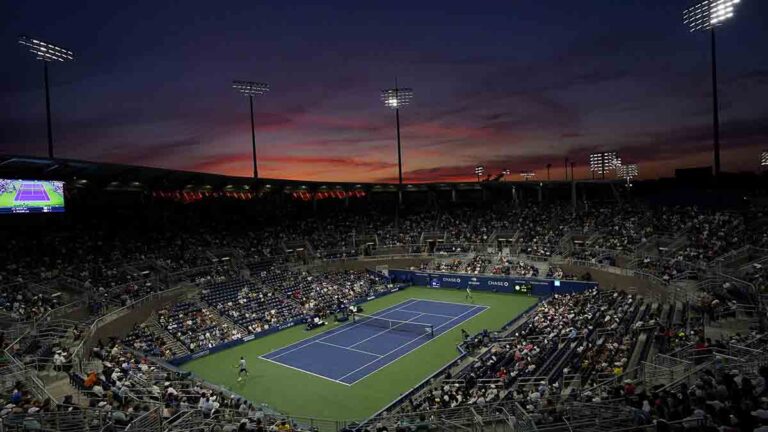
pixel 137 178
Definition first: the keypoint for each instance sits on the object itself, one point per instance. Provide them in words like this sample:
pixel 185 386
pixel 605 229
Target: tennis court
pixel 31 191
pixel 351 352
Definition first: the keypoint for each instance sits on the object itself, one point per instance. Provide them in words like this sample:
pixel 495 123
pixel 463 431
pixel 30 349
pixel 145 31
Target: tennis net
pixel 395 325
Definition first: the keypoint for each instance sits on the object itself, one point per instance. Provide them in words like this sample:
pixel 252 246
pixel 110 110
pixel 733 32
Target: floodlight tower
pixel 627 172
pixel 549 165
pixel 600 163
pixel 396 98
pixel 705 16
pixel 479 172
pixel 251 89
pixel 47 52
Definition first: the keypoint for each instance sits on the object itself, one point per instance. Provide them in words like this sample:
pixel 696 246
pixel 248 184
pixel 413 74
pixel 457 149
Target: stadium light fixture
pixel 479 172
pixel 602 162
pixel 764 158
pixel 47 52
pixel 706 16
pixel 251 89
pixel 397 98
pixel 627 172
pixel 527 175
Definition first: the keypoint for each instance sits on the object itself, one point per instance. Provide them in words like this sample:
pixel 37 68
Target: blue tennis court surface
pixel 30 191
pixel 353 351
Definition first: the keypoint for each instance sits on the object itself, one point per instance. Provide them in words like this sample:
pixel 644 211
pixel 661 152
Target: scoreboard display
pixel 31 196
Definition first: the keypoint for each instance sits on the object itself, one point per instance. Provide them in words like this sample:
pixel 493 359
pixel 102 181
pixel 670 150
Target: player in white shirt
pixel 243 369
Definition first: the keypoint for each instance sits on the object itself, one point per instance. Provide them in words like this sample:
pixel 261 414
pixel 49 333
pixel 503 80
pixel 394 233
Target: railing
pixel 465 415
pixel 184 421
pixel 79 419
pixel 79 354
pixel 659 282
pixel 665 369
pixel 151 421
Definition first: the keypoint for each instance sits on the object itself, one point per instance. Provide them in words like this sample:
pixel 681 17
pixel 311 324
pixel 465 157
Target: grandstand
pixel 615 313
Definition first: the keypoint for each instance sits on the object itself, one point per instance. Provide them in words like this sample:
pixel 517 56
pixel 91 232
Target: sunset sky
pixel 514 84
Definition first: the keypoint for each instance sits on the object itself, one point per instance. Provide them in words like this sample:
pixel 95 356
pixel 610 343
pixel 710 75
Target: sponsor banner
pixel 508 284
pixel 200 354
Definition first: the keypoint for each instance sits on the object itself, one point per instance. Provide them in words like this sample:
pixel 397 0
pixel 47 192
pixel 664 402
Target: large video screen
pixel 31 196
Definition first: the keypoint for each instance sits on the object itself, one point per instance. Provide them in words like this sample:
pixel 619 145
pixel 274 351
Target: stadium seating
pixel 602 349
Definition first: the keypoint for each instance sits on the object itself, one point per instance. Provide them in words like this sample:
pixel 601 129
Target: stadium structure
pixel 163 300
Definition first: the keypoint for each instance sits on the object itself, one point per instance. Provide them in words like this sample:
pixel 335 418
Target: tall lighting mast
pixel 397 98
pixel 706 16
pixel 479 172
pixel 251 89
pixel 47 53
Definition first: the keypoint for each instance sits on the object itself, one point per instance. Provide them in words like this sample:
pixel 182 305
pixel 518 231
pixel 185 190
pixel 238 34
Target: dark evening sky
pixel 514 84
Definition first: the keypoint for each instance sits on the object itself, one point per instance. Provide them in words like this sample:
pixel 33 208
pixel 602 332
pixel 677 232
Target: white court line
pixel 346 327
pixel 428 313
pixel 305 371
pixel 389 329
pixel 450 303
pixel 412 341
pixel 347 348
pixel 484 308
pixel 331 332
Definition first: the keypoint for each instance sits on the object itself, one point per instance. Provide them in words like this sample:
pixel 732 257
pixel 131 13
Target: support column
pixel 573 195
pixel 48 111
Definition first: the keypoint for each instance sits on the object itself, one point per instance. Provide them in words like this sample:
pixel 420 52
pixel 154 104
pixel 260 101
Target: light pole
pixel 600 163
pixel 549 165
pixel 566 169
pixel 627 172
pixel 396 98
pixel 479 172
pixel 251 89
pixel 705 16
pixel 47 52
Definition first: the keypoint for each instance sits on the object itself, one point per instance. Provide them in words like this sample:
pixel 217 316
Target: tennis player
pixel 243 369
